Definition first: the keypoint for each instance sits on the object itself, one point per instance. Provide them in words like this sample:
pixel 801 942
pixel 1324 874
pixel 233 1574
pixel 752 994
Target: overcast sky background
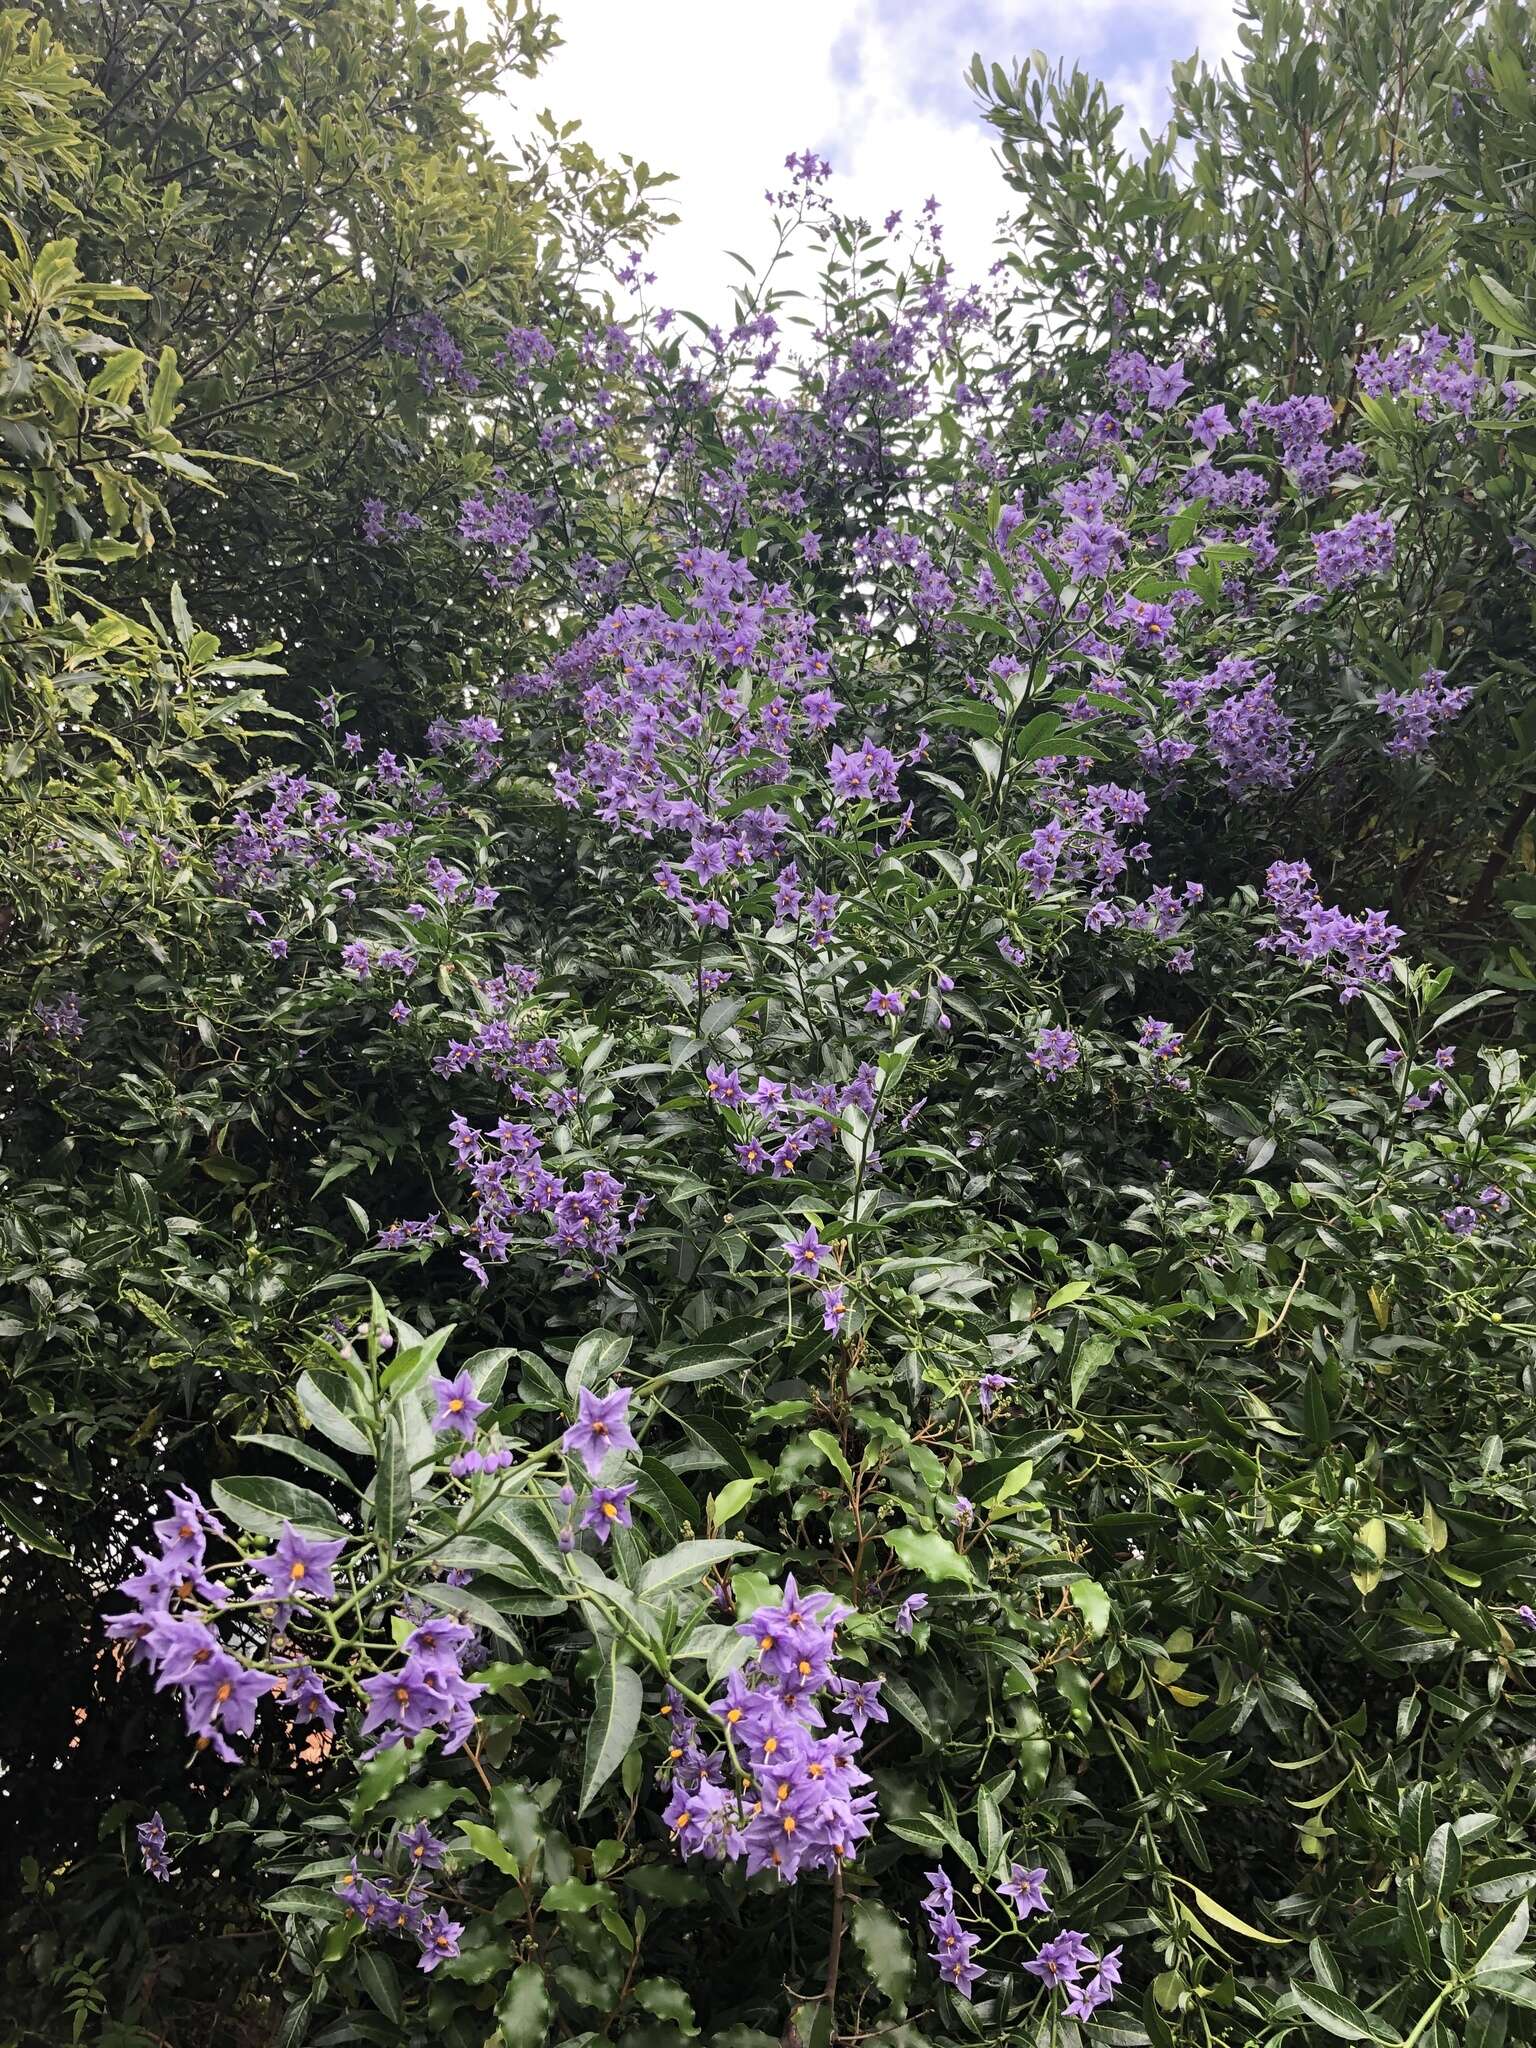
pixel 719 90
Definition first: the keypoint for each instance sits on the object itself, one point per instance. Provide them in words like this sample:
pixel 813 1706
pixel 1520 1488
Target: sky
pixel 719 91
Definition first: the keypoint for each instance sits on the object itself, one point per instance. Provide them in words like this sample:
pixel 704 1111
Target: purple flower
pixel 60 1018
pixel 1461 1220
pixel 457 1405
pixel 908 1612
pixel 1059 1960
pixel 833 1309
pixel 1056 1052
pixel 439 1938
pixel 1363 546
pixel 420 1847
pixel 300 1568
pixel 1166 387
pixel 990 1386
pixel 805 1253
pixel 858 1701
pixel 607 1510
pixel 601 1426
pixel 885 1002
pixel 151 1835
pixel 406 1697
pixel 723 1085
pixel 305 1697
pixel 221 1694
pixel 1026 1889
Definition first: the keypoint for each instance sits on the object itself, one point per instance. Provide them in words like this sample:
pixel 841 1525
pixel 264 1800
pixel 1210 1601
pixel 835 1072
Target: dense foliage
pixel 769 1157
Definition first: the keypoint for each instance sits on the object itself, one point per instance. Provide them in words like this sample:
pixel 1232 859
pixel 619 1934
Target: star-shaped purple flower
pixel 607 1510
pixel 300 1568
pixel 601 1426
pixel 805 1253
pixel 457 1405
pixel 1026 1888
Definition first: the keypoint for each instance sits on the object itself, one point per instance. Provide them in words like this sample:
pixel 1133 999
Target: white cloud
pixel 718 92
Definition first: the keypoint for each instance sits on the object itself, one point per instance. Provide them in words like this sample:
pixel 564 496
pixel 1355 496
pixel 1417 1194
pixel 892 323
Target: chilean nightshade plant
pixel 904 1310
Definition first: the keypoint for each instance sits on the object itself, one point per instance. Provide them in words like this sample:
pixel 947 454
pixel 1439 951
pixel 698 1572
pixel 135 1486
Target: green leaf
pixel 1337 2015
pixel 1224 1917
pixel 263 1505
pixel 486 1844
pixel 732 1500
pixel 1092 1602
pixel 882 1942
pixel 1497 303
pixel 1416 1819
pixel 392 1487
pixel 379 1978
pixel 1442 1862
pixel 931 1555
pixel 1372 1536
pixel 570 1895
pixel 687 1564
pixel 303 1454
pixel 668 2001
pixel 523 2016
pixel 167 386
pixel 1091 1358
pixel 832 1451
pixel 1065 1296
pixel 383 1773
pixel 989 1829
pixel 596 1358
pixel 615 1718
pixel 897 1693
pixel 320 1396
pixel 30 1530
pixel 476 1607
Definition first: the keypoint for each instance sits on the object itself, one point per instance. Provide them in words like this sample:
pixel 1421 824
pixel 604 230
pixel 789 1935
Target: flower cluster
pixel 168 1626
pixel 60 1016
pixel 1055 1052
pixel 428 1690
pixel 1417 715
pixel 1067 1962
pixel 396 1899
pixel 1463 1219
pixel 1363 546
pixel 777 1124
pixel 1350 951
pixel 796 1801
pixel 1435 373
pixel 509 1180
pixel 152 1848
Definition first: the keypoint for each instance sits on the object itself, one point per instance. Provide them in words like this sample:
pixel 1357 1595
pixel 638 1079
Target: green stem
pixel 1426 2019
